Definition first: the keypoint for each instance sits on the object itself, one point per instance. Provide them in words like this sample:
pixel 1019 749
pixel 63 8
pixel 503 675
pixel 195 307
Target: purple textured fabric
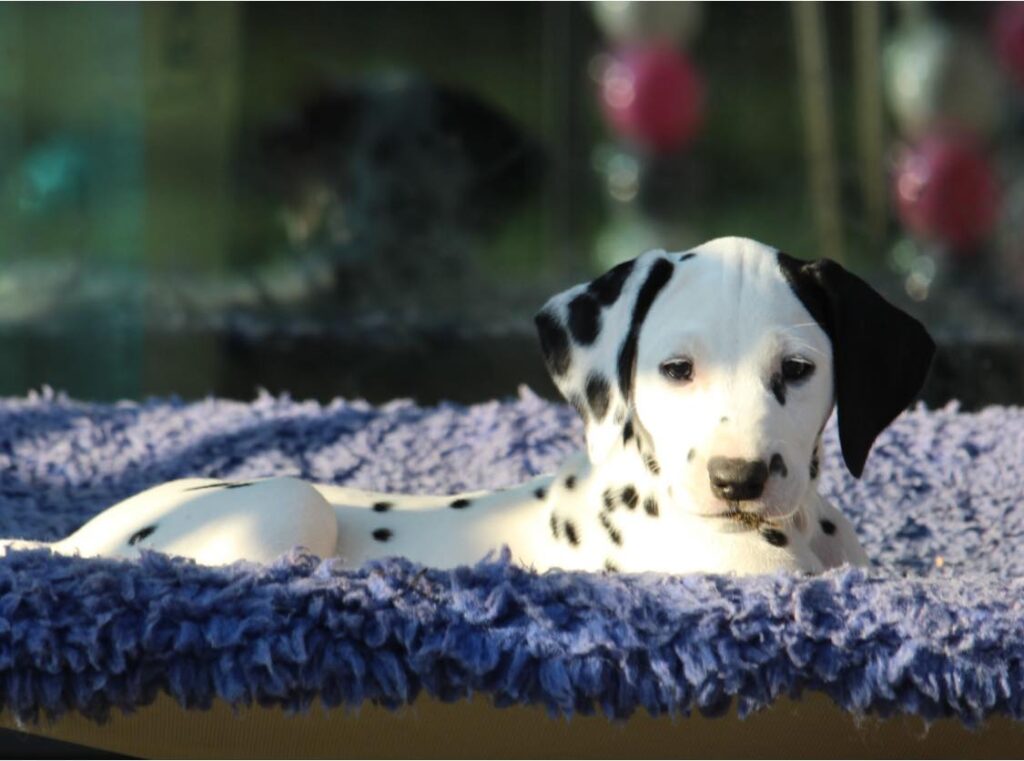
pixel 936 627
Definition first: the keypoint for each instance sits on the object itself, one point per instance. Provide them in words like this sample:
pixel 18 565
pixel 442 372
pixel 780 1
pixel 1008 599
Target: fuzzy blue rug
pixel 936 628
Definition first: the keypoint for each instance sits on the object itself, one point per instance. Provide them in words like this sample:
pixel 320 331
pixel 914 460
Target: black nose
pixel 735 479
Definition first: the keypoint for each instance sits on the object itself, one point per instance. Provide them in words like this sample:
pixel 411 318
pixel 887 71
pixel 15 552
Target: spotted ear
pixel 588 335
pixel 880 354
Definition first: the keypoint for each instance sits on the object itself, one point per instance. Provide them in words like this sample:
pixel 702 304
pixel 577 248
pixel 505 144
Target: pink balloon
pixel 653 97
pixel 1008 39
pixel 946 191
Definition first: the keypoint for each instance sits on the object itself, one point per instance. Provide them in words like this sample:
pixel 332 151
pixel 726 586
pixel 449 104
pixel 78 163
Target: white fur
pixel 729 310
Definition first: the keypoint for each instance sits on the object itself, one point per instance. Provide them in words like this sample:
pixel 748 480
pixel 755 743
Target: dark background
pixel 373 199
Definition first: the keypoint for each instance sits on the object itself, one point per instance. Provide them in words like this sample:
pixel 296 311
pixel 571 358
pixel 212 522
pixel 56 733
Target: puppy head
pixel 721 366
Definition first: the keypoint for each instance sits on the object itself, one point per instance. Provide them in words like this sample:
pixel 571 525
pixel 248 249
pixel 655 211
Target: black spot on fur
pixel 584 319
pixel 609 499
pixel 686 257
pixel 743 518
pixel 382 507
pixel 828 527
pixel 690 455
pixel 660 273
pixel 774 537
pixel 382 534
pixel 217 485
pixel 460 503
pixel 540 493
pixel 723 419
pixel 554 343
pixel 597 395
pixel 778 465
pixel 606 289
pixel 651 507
pixel 570 482
pixel 141 534
pixel 610 567
pixel 629 497
pixel 620 415
pixel 554 526
pixel 627 431
pixel 613 533
pixel 570 533
pixel 815 466
pixel 778 387
pixel 221 485
pixel 652 464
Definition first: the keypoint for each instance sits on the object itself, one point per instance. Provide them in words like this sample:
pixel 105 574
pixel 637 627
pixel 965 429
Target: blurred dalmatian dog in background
pixel 704 380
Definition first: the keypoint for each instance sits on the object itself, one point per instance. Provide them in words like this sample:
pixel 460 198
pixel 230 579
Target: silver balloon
pixel 631 21
pixel 937 79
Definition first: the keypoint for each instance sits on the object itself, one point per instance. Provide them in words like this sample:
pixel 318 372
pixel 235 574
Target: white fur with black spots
pixel 704 379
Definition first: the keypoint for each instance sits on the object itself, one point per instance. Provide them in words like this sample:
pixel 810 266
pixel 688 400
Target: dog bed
pixel 935 628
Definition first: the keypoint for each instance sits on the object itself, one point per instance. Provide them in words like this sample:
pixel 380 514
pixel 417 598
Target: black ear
pixel 880 354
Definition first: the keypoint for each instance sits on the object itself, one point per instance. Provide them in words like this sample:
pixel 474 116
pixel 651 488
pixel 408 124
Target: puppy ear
pixel 588 335
pixel 880 354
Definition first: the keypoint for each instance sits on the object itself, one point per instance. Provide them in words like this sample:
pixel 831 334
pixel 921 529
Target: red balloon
pixel 946 190
pixel 1008 38
pixel 653 97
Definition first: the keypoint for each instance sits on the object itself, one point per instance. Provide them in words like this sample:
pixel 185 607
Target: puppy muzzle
pixel 737 480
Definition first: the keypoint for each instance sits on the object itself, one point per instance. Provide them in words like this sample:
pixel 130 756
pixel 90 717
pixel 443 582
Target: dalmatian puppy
pixel 704 380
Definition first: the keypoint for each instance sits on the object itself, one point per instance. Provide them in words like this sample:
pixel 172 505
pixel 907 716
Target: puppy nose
pixel 735 479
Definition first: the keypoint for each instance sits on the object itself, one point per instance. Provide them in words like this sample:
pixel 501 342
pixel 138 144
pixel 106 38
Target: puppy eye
pixel 677 369
pixel 796 369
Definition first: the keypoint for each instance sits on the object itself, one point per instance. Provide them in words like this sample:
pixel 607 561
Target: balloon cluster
pixel 949 95
pixel 652 97
pixel 946 191
pixel 946 97
pixel 652 100
pixel 651 94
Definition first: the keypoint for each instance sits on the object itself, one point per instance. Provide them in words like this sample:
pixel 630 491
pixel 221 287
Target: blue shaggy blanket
pixel 935 628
